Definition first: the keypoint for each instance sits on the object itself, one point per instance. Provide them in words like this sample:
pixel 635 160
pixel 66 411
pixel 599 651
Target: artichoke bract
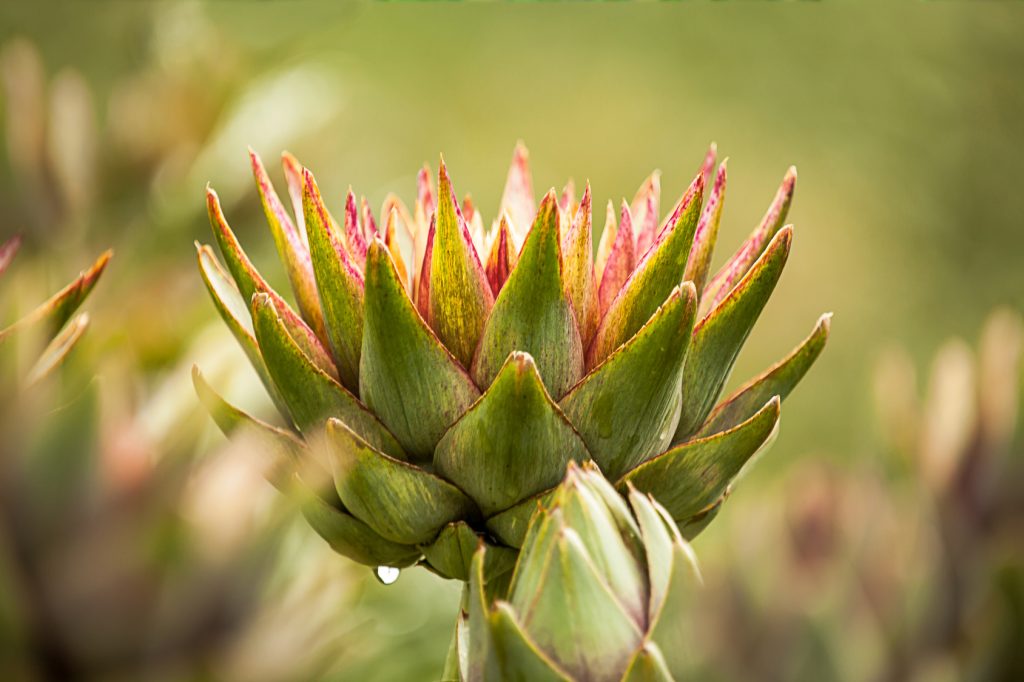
pixel 593 578
pixel 444 375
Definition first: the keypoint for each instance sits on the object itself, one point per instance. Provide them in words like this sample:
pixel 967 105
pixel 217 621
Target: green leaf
pixel 291 248
pixel 250 282
pixel 719 336
pixel 730 273
pixel 284 454
pixel 544 528
pixel 510 525
pixel 575 618
pixel 310 393
pixel 533 314
pixel 398 500
pixel 657 543
pixel 695 525
pixel 648 665
pixel 451 553
pixel 706 235
pixel 779 379
pixel 339 282
pixel 514 442
pixel 654 278
pixel 585 512
pixel 460 296
pixel 235 314
pixel 519 659
pixel 351 537
pixel 59 308
pixel 407 377
pixel 476 647
pixel 668 628
pixel 624 407
pixel 578 269
pixel 689 477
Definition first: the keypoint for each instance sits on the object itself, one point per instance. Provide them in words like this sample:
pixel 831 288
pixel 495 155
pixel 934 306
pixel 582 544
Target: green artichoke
pixel 452 373
pixel 51 324
pixel 591 584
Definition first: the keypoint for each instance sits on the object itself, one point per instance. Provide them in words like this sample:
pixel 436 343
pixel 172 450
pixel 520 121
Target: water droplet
pixel 387 574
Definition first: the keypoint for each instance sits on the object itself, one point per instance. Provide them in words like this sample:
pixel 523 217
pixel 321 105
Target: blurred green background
pixel 905 120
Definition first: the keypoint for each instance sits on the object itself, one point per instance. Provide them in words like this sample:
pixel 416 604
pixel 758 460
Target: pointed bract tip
pixel 522 361
pixel 786 235
pixel 444 181
pixel 521 153
pixel 261 299
pixel 101 263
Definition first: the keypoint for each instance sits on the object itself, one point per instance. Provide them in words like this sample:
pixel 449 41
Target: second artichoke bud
pixel 587 593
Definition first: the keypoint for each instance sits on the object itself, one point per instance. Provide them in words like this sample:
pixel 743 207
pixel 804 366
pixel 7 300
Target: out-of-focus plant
pixel 961 444
pixel 115 562
pixel 50 331
pixel 52 139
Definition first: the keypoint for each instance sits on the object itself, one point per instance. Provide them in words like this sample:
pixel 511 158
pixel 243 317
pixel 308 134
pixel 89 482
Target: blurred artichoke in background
pixel 48 325
pixel 112 563
pixel 965 458
pixel 592 580
pixel 52 139
pixel 458 371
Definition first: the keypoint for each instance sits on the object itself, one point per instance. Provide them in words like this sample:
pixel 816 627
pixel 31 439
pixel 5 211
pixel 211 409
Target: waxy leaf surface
pixel 533 314
pixel 718 338
pixel 514 442
pixel 774 218
pixel 411 381
pixel 689 477
pixel 312 396
pixel 622 408
pixel 460 296
pixel 398 500
pixel 660 271
pixel 291 248
pixel 339 282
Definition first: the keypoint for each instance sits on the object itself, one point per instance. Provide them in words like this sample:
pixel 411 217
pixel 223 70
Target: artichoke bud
pixel 442 378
